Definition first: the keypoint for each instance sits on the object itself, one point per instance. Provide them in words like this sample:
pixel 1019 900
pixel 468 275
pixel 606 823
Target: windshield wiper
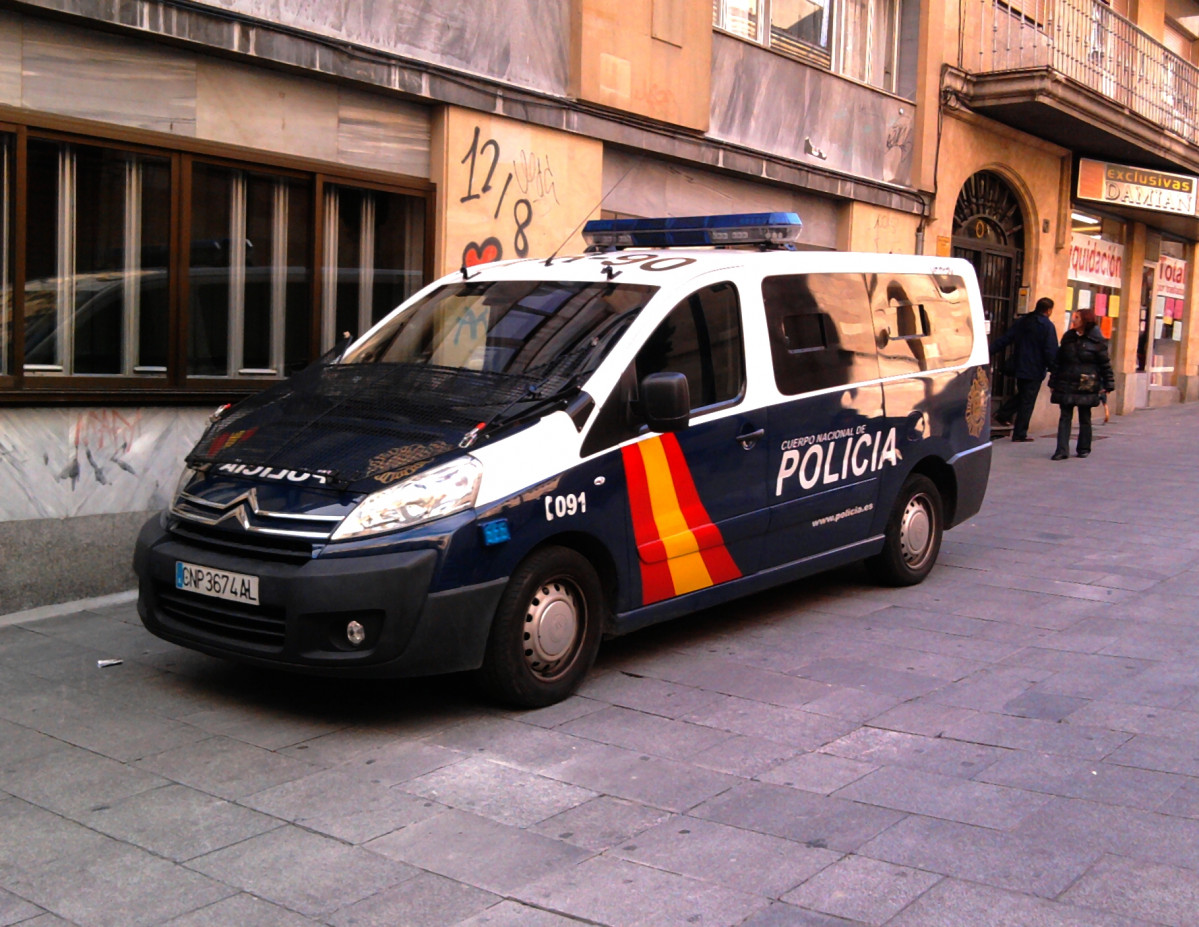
pixel 531 404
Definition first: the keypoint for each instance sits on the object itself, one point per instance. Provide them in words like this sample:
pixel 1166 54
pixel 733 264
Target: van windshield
pixel 517 327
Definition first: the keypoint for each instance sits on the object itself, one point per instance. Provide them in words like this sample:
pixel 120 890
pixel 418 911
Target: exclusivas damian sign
pixel 1102 182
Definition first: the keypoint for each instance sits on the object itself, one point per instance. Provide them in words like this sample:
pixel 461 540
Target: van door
pixel 828 438
pixel 697 497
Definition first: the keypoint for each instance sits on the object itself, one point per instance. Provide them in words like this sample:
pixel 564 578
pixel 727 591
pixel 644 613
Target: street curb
pixel 66 608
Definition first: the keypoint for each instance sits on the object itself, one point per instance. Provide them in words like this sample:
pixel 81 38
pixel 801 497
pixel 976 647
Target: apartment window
pixel 872 41
pixel 801 28
pixel 869 47
pixel 144 269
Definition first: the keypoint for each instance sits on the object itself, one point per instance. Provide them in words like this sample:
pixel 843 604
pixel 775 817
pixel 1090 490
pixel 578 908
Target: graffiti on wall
pixel 515 190
pixel 533 176
pixel 60 463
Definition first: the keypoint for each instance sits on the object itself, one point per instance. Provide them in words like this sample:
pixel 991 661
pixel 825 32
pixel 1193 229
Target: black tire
pixel 546 630
pixel 913 535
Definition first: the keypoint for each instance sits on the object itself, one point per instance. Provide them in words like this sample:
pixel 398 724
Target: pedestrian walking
pixel 1034 347
pixel 1081 371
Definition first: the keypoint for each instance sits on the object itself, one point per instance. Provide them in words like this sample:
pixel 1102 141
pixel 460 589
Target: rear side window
pixel 922 322
pixel 700 338
pixel 821 335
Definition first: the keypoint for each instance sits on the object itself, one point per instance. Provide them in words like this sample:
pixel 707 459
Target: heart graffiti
pixel 475 253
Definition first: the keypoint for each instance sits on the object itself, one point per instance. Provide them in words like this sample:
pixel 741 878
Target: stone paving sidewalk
pixel 1012 744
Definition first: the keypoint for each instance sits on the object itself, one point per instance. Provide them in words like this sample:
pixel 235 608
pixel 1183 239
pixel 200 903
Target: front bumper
pixel 304 607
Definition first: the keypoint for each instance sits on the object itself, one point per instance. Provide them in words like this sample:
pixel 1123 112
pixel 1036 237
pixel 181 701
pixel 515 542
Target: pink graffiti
pixel 100 427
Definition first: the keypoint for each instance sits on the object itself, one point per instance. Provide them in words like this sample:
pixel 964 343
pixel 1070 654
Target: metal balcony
pixel 1076 73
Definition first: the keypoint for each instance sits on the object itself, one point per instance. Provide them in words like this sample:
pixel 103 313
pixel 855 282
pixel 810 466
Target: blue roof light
pixel 778 229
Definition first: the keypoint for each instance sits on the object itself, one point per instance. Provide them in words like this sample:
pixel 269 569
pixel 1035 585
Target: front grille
pixel 215 618
pixel 263 546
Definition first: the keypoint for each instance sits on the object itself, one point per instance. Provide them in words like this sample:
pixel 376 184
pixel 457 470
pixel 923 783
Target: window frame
pixel 176 386
pixel 795 49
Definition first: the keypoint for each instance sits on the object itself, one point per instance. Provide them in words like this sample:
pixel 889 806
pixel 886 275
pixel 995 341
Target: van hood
pixel 359 426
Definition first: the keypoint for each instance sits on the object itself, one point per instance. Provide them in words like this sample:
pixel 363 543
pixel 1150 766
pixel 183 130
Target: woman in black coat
pixel 1082 368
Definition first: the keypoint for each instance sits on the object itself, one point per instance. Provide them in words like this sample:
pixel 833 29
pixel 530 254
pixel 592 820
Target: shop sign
pixel 1172 278
pixel 1093 260
pixel 1103 182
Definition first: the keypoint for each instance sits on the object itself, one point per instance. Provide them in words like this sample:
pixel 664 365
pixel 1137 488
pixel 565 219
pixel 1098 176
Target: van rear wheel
pixel 546 630
pixel 913 535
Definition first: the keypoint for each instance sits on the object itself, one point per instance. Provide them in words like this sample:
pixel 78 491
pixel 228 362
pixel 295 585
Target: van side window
pixel 701 338
pixel 922 322
pixel 820 330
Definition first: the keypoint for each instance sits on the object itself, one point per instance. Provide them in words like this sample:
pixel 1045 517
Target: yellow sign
pixel 1121 184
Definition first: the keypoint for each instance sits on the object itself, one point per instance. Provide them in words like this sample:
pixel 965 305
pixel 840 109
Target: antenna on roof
pixel 549 260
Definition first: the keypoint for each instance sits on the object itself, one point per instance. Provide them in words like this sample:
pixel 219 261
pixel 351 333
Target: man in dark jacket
pixel 1034 347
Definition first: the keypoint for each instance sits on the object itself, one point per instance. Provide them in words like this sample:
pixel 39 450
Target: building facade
pixel 202 196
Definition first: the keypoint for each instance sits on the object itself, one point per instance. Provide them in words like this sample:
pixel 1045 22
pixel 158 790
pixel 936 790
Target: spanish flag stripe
pixel 672 523
pixel 679 548
pixel 717 560
pixel 656 581
pixel 686 565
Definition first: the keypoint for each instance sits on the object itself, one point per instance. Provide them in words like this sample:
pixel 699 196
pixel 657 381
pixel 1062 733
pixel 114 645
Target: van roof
pixel 658 267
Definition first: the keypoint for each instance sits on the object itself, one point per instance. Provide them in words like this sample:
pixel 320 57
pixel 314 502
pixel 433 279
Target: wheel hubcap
pixel 916 531
pixel 551 627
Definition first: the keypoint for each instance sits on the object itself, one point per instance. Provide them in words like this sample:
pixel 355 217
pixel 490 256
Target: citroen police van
pixel 529 456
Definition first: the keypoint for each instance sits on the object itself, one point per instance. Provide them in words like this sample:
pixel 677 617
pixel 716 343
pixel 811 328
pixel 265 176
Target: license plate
pixel 220 584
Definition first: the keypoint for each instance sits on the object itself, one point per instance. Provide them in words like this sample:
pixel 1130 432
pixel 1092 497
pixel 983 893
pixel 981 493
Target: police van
pixel 531 455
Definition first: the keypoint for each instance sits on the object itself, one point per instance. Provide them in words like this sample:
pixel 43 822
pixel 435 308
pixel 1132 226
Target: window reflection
pixel 374 256
pixel 96 261
pixel 6 154
pixel 249 298
pixel 107 235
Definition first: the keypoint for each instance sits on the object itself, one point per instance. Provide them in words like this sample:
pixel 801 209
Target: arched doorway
pixel 988 231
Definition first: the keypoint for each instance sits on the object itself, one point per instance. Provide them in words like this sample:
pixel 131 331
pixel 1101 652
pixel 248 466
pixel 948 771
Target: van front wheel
pixel 546 630
pixel 913 536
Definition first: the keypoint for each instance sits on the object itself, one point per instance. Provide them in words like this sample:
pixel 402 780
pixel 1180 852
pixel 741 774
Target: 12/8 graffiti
pixel 484 157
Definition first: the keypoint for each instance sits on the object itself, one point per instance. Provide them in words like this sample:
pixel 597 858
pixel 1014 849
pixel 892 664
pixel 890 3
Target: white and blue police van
pixel 529 456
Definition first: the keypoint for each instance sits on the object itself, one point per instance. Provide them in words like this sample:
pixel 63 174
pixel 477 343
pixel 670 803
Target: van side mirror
pixel 666 401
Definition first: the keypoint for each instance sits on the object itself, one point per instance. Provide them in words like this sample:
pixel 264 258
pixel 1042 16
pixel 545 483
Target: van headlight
pixel 438 492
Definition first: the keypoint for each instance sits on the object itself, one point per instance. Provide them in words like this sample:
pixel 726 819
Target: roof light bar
pixel 777 229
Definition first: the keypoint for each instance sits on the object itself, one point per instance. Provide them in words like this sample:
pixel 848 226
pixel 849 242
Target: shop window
pixel 165 270
pixel 373 255
pixel 820 331
pixel 95 294
pixel 248 278
pixel 6 154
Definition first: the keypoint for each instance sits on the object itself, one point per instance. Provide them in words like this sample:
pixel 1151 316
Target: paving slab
pixel 302 871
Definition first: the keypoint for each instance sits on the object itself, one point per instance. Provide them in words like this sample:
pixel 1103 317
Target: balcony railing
pixel 1088 43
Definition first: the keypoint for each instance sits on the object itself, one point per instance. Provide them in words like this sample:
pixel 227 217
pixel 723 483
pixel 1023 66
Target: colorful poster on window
pixel 1093 260
pixel 1100 304
pixel 1172 278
